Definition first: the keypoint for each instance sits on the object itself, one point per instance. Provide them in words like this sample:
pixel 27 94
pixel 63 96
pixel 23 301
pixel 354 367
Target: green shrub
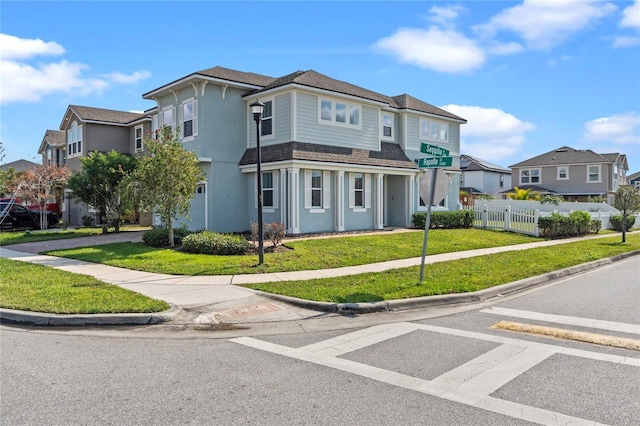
pixel 211 243
pixel 159 237
pixel 616 222
pixel 559 226
pixel 446 220
pixel 580 221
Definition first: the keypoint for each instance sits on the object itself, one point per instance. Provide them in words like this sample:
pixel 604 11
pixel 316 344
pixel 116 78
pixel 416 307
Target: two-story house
pixel 575 174
pixel 480 177
pixel 634 179
pixel 335 156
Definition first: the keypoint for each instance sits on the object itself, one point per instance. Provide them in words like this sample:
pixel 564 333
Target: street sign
pixel 441 188
pixel 434 150
pixel 428 163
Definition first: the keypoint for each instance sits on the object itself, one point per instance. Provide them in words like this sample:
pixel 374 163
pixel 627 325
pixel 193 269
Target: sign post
pixel 440 159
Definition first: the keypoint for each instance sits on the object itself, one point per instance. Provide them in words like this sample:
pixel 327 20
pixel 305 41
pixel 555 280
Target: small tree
pixel 166 178
pixel 524 194
pixel 39 185
pixel 100 183
pixel 627 200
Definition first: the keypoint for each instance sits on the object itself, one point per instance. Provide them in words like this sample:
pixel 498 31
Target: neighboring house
pixel 82 131
pixel 575 174
pixel 335 156
pixel 634 179
pixel 480 177
pixel 17 166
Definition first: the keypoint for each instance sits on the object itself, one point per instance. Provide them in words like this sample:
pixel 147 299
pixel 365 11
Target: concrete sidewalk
pixel 202 298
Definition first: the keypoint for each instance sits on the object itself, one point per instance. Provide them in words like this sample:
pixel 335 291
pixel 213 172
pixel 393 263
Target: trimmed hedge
pixel 207 242
pixel 576 224
pixel 616 222
pixel 446 220
pixel 160 237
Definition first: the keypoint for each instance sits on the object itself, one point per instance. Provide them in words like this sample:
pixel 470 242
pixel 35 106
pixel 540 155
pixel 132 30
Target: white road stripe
pixel 621 327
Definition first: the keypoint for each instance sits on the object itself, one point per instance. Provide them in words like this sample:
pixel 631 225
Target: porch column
pixel 339 220
pixel 410 197
pixel 283 196
pixel 294 201
pixel 379 202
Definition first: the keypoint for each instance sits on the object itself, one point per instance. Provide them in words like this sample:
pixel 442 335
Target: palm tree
pixel 524 194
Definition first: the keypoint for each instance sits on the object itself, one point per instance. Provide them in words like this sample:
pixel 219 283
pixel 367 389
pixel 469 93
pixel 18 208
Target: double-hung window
pixel 74 140
pixel 434 130
pixel 594 174
pixel 168 118
pixel 529 176
pixel 267 190
pixel 266 125
pixel 359 191
pixel 387 126
pixel 563 173
pixel 317 190
pixel 189 119
pixel 138 137
pixel 339 113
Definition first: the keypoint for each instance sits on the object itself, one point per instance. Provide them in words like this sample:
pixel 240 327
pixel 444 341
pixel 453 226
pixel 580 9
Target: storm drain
pixel 237 313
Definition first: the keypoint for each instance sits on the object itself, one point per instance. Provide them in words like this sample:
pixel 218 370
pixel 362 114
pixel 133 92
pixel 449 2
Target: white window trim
pixel 333 121
pixel 173 117
pixel 154 126
pixel 135 138
pixel 530 175
pixel 366 192
pixel 74 139
pixel 272 118
pixel 276 195
pixel 194 125
pixel 326 192
pixel 599 166
pixel 382 126
pixel 558 173
pixel 428 135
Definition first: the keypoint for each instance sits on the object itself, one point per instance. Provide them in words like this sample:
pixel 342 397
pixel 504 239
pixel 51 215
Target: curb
pixel 448 299
pixel 11 316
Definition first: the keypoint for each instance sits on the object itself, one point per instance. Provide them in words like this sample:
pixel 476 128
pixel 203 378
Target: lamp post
pixel 257 108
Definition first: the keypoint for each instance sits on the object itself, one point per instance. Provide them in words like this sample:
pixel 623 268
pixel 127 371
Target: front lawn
pixel 18 237
pixel 303 255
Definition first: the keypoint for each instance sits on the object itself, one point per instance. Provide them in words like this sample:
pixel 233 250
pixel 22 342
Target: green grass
pixel 18 237
pixel 460 276
pixel 309 254
pixel 37 288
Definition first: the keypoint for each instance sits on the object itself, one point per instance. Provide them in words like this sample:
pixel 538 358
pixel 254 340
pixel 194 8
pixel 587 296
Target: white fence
pixel 510 215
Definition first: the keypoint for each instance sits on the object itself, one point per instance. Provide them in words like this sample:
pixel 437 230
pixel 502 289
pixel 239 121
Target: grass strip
pixel 458 276
pixel 38 288
pixel 7 238
pixel 304 255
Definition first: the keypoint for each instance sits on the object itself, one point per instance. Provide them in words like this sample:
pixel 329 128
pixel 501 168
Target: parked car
pixel 14 216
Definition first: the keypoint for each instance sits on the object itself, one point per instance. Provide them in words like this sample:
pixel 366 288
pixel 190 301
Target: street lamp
pixel 257 108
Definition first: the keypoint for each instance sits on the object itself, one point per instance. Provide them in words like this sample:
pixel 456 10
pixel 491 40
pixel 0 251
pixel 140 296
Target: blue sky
pixel 528 76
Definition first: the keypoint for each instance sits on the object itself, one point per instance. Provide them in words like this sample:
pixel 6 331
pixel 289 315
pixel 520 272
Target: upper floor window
pixel 436 130
pixel 189 119
pixel 563 173
pixel 387 126
pixel 266 125
pixel 167 118
pixel 501 181
pixel 154 127
pixel 529 176
pixel 340 113
pixel 74 140
pixel 138 137
pixel 316 190
pixel 594 174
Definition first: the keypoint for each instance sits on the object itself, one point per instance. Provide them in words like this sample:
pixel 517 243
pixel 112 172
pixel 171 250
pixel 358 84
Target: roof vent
pixel 562 150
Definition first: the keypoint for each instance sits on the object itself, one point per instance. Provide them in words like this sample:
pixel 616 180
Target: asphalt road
pixel 451 369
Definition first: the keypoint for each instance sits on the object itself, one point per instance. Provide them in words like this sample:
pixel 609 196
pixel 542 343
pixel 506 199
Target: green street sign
pixel 434 150
pixel 429 163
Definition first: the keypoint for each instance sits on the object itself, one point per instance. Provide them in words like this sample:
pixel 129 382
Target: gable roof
pixel 390 155
pixel 19 165
pixel 633 176
pixel 567 155
pixel 470 163
pixel 54 138
pixel 101 115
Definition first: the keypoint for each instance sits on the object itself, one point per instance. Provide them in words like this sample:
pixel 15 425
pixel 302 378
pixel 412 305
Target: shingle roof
pixel 566 155
pixel 237 76
pixel 104 115
pixel 55 137
pixel 470 163
pixel 390 155
pixel 409 102
pixel 19 165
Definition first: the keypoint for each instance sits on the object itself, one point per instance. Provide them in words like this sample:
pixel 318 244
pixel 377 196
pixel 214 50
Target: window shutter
pixel 326 189
pixel 367 191
pixel 195 118
pixel 275 189
pixel 307 189
pixel 352 189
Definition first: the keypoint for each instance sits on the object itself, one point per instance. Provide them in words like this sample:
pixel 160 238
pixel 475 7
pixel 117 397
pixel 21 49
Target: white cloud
pixel 440 50
pixel 490 133
pixel 631 16
pixel 22 81
pixel 543 23
pixel 12 47
pixel 617 129
pixel 625 41
pixel 445 15
pixel 504 48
